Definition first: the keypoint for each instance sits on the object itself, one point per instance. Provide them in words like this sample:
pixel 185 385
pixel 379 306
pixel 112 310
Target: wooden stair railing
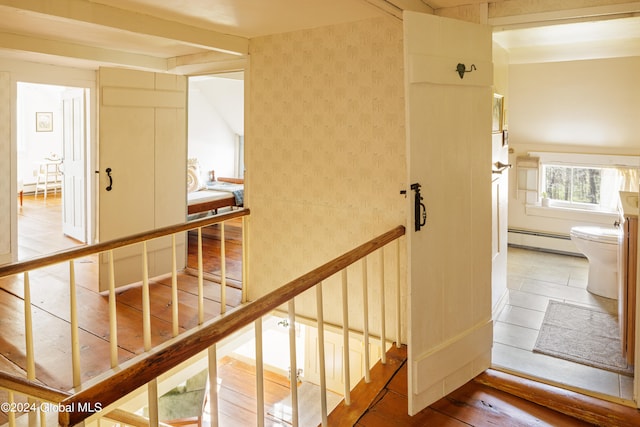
pixel 30 385
pixel 145 368
pixel 31 388
pixel 111 386
pixel 46 395
pixel 128 419
pixel 83 251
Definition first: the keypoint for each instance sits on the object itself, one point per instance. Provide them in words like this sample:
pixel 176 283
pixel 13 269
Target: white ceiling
pixel 142 31
pixel 607 38
pixel 166 34
pixel 252 18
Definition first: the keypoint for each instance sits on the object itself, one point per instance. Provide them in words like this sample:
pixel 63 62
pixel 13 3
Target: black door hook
pixel 461 69
pixel 419 209
pixel 110 179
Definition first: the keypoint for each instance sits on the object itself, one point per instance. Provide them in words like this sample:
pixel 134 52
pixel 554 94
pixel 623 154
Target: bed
pixel 225 192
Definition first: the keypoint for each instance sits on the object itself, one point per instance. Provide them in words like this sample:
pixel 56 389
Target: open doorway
pixel 548 278
pixel 215 169
pixel 216 124
pixel 51 173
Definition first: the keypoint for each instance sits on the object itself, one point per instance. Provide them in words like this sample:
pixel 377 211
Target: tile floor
pixel 534 278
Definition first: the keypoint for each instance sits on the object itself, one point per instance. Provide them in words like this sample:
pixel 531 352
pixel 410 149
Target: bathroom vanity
pixel 628 271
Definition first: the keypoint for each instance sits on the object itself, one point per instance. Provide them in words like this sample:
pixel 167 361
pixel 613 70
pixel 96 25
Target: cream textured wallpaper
pixel 325 147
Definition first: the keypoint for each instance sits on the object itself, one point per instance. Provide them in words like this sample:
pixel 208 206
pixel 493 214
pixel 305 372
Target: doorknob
pixel 110 186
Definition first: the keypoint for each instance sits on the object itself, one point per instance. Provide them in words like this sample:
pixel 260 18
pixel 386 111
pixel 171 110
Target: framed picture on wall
pixel 44 122
pixel 498 113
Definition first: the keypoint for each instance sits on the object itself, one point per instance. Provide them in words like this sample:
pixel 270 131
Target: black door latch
pixel 419 209
pixel 110 187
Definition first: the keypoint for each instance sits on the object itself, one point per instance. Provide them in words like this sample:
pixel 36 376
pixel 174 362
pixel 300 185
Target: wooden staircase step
pixel 364 394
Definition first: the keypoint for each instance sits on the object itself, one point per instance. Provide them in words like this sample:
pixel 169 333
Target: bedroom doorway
pixel 216 124
pixel 51 174
pixel 215 167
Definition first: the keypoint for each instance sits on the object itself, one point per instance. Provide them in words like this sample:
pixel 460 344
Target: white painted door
pixel 74 188
pixel 334 359
pixel 499 216
pixel 142 143
pixel 449 155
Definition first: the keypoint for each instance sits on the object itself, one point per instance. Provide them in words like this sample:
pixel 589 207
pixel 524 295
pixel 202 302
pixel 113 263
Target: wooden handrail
pixel 31 388
pixel 130 419
pixel 140 370
pixel 83 251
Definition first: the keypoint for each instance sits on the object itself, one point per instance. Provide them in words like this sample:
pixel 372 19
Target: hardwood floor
pixel 211 247
pixel 40 226
pixel 40 233
pixel 474 404
pixel 491 399
pixel 237 394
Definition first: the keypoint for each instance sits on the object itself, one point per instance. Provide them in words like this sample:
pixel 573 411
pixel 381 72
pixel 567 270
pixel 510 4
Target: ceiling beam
pixel 72 50
pixel 500 16
pixel 598 49
pixel 396 7
pixel 206 63
pixel 107 16
pixel 412 5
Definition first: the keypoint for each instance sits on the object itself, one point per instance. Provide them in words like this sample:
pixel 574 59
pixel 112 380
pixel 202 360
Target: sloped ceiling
pixel 225 93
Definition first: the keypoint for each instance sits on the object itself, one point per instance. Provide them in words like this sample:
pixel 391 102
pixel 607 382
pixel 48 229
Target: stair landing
pixel 491 399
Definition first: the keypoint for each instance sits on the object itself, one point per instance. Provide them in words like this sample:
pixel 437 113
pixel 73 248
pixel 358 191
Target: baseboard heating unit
pixel 542 241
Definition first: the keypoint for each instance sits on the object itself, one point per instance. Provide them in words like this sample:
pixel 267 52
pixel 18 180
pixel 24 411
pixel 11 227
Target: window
pixel 574 185
pixel 585 181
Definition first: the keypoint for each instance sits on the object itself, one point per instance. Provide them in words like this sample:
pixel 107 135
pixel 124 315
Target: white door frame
pixel 54 76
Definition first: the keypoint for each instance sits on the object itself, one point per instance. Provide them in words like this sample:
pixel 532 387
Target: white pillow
pixel 193 183
pixel 194 180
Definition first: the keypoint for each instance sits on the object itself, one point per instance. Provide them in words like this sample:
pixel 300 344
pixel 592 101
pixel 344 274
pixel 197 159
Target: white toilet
pixel 600 246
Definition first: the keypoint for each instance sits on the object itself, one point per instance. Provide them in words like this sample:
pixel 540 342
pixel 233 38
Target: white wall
pixel 586 106
pixel 501 77
pixel 212 135
pixel 592 104
pixel 34 146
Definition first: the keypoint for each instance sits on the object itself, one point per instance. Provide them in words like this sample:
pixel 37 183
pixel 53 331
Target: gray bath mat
pixel 582 335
